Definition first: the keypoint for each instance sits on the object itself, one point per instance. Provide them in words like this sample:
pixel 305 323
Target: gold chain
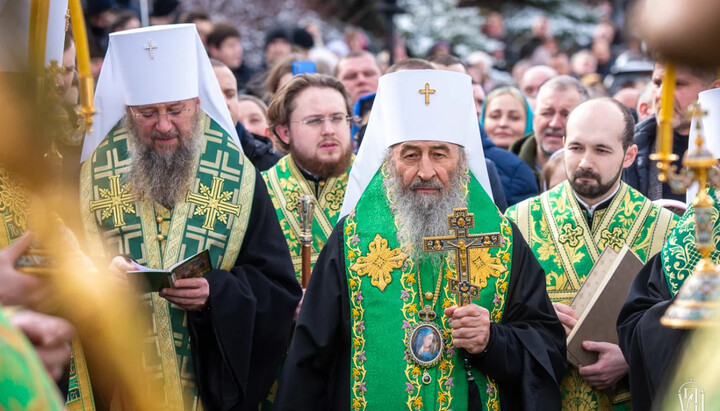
pixel 436 294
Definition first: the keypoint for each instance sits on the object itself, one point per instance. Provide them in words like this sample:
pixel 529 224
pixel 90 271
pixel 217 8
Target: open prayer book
pixel 598 302
pixel 148 280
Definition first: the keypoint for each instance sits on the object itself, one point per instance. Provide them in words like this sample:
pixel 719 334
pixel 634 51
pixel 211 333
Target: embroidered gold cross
pixel 115 201
pixel 150 47
pixel 427 91
pixel 213 203
pixel 570 235
pixel 461 242
pixel 613 238
pixel 379 262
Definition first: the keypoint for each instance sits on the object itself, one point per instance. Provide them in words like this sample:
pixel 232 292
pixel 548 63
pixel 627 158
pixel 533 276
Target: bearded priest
pixel 164 178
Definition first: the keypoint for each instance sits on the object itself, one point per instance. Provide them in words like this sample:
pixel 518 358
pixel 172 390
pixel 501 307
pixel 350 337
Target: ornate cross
pixel 461 242
pixel 115 201
pixel 427 91
pixel 150 47
pixel 571 235
pixel 213 203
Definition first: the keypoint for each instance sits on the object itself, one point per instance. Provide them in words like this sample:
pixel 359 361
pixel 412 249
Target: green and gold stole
pixel 24 383
pixel 679 255
pixel 285 184
pixel 384 303
pixel 13 210
pixel 556 229
pixel 214 216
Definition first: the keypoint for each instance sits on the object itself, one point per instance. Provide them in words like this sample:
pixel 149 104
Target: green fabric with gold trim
pixel 13 209
pixel 630 219
pixel 384 303
pixel 214 216
pixel 285 184
pixel 679 254
pixel 24 383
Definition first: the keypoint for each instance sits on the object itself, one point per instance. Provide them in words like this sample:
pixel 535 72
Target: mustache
pixel 159 135
pixel 329 139
pixel 554 132
pixel 586 174
pixel 420 183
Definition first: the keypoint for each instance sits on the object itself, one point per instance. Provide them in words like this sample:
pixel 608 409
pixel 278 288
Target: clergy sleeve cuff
pixel 497 359
pixel 488 346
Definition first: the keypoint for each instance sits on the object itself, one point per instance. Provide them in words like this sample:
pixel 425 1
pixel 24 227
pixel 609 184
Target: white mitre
pixel 418 105
pixel 15 29
pixel 709 101
pixel 152 65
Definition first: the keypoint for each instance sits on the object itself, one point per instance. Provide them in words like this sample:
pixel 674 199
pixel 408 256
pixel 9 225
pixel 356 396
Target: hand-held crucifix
pixel 460 221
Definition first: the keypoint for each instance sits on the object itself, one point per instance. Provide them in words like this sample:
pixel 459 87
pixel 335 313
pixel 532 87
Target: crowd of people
pixel 493 180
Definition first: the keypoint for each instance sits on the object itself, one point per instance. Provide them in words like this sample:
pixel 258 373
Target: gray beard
pixel 425 215
pixel 163 178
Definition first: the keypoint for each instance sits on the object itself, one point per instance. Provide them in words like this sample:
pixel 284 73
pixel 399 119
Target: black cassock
pixel 525 354
pixel 239 339
pixel 649 347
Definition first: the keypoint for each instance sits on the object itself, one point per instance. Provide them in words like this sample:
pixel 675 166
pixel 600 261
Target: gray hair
pixel 563 83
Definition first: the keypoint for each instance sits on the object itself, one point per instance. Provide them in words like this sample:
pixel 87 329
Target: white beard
pixel 424 215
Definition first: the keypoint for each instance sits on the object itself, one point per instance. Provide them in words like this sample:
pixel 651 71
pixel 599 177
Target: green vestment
pixel 214 215
pixel 285 184
pixel 384 303
pixel 556 229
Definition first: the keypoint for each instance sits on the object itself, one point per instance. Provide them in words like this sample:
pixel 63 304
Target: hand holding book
pixel 151 280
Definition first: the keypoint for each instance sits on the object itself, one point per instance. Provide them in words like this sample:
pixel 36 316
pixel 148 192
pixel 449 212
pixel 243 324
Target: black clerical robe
pixel 525 352
pixel 649 347
pixel 238 340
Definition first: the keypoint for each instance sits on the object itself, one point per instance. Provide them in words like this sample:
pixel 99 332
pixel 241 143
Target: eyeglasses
pixel 151 116
pixel 317 122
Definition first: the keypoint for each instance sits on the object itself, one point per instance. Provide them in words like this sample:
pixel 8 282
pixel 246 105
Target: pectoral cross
pixel 213 203
pixel 427 91
pixel 461 242
pixel 150 47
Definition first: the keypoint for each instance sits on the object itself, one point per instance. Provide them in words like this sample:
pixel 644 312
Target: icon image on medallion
pixel 426 344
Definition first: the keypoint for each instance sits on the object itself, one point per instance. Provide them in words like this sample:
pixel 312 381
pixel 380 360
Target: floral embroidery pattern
pixel 358 372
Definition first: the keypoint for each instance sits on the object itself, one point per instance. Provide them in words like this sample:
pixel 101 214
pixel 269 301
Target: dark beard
pixel 163 178
pixel 424 215
pixel 322 169
pixel 592 191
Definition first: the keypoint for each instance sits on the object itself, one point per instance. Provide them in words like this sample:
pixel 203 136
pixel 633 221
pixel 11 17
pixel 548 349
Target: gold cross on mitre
pixel 213 203
pixel 115 201
pixel 150 47
pixel 427 91
pixel 696 112
pixel 460 221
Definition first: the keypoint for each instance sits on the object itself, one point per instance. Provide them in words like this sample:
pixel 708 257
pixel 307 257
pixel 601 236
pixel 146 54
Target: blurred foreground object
pixel 681 31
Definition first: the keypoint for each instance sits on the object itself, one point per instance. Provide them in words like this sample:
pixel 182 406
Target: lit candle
pixel 85 79
pixel 31 57
pixel 38 34
pixel 666 109
pixel 80 35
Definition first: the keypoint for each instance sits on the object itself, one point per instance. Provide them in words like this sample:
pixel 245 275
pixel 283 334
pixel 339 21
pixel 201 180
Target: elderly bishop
pixel 384 324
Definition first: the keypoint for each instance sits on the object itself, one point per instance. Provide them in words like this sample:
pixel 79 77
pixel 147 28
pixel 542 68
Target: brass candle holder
pixel 698 301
